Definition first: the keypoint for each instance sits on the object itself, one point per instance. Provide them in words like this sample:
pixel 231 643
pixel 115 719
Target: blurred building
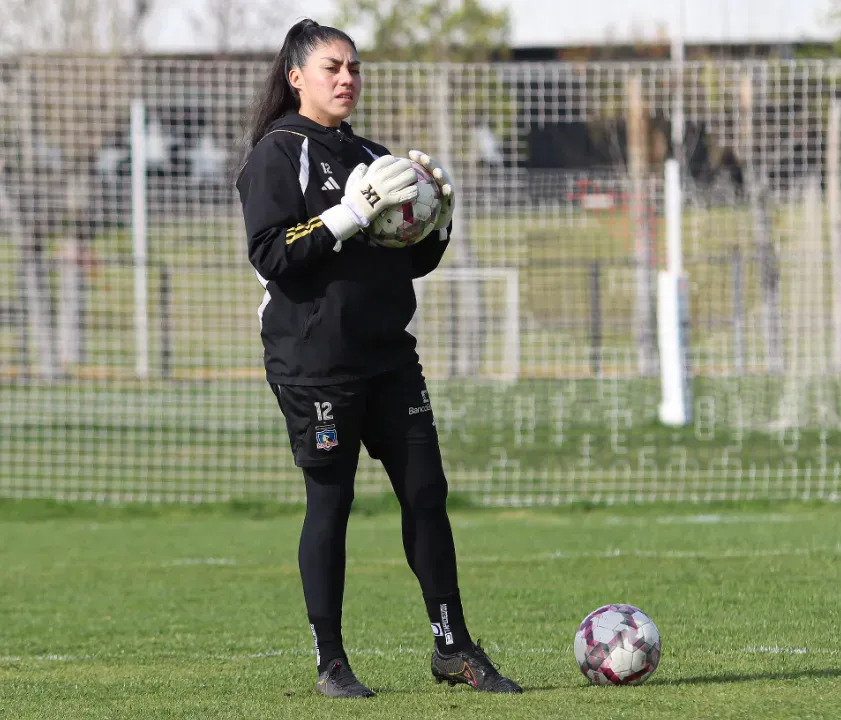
pixel 783 50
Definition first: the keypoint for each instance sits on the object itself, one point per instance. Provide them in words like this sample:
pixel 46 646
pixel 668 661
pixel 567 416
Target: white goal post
pixel 498 320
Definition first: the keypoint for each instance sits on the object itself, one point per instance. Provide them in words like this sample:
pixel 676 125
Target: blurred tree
pixel 239 24
pixel 73 25
pixel 427 30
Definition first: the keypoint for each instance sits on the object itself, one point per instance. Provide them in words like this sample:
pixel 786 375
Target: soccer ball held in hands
pixel 408 224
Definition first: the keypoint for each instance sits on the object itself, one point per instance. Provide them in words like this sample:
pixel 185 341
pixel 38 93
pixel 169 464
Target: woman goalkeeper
pixel 337 354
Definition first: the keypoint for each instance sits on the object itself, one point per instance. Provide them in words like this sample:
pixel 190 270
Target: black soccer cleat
pixel 338 680
pixel 472 667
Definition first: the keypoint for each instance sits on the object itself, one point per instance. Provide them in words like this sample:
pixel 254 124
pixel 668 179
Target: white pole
pixel 673 314
pixel 139 233
pixel 674 212
pixel 678 56
pixel 833 191
pixel 512 324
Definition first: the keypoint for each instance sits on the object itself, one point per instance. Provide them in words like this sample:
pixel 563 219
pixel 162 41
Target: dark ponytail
pixel 278 96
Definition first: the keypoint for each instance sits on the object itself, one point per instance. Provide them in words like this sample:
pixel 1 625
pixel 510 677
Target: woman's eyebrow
pixel 339 61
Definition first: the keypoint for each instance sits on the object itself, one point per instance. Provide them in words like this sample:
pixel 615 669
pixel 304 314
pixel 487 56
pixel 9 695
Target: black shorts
pixel 329 423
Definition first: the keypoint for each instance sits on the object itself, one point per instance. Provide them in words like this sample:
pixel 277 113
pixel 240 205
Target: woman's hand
pixel 371 189
pixel 445 184
pixel 386 182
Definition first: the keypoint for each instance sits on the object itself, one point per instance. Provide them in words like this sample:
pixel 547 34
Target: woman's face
pixel 329 83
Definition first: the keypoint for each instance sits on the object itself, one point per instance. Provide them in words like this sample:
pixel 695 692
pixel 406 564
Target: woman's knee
pixel 329 489
pixel 428 496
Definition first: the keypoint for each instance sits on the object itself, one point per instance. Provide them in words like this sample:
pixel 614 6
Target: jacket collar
pixel 295 121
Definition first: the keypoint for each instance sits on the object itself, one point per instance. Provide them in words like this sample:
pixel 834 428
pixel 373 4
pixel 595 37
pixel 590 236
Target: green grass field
pixel 196 612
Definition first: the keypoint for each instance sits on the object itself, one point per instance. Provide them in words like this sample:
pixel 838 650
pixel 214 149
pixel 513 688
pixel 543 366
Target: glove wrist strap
pixel 340 221
pixel 358 217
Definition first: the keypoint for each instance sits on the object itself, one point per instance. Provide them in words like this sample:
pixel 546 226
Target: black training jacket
pixel 331 313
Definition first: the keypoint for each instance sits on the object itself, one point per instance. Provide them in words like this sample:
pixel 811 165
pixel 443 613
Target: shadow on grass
pixel 741 678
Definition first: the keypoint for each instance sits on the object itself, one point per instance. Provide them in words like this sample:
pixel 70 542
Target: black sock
pixel 448 626
pixel 327 636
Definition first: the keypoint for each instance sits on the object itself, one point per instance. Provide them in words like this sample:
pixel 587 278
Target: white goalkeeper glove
pixel 369 190
pixel 445 184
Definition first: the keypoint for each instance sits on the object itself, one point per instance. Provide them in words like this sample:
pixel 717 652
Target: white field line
pixel 492 649
pixel 297 652
pixel 393 652
pixel 537 518
pixel 420 652
pixel 610 553
pixel 695 554
pixel 621 553
pixel 768 519
pixel 776 650
pixel 44 658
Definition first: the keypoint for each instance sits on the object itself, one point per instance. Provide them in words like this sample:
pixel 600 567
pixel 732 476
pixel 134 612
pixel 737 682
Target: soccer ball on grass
pixel 411 222
pixel 617 645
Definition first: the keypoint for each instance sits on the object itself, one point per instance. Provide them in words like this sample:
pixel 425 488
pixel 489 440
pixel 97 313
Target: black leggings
pixel 416 474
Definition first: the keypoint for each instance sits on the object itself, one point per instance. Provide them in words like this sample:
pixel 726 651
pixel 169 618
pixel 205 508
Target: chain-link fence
pixel 128 374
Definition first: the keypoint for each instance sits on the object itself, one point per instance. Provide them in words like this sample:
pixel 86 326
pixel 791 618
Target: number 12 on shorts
pixel 324 411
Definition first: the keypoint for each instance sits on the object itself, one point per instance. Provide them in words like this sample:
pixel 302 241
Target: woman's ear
pixel 296 78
